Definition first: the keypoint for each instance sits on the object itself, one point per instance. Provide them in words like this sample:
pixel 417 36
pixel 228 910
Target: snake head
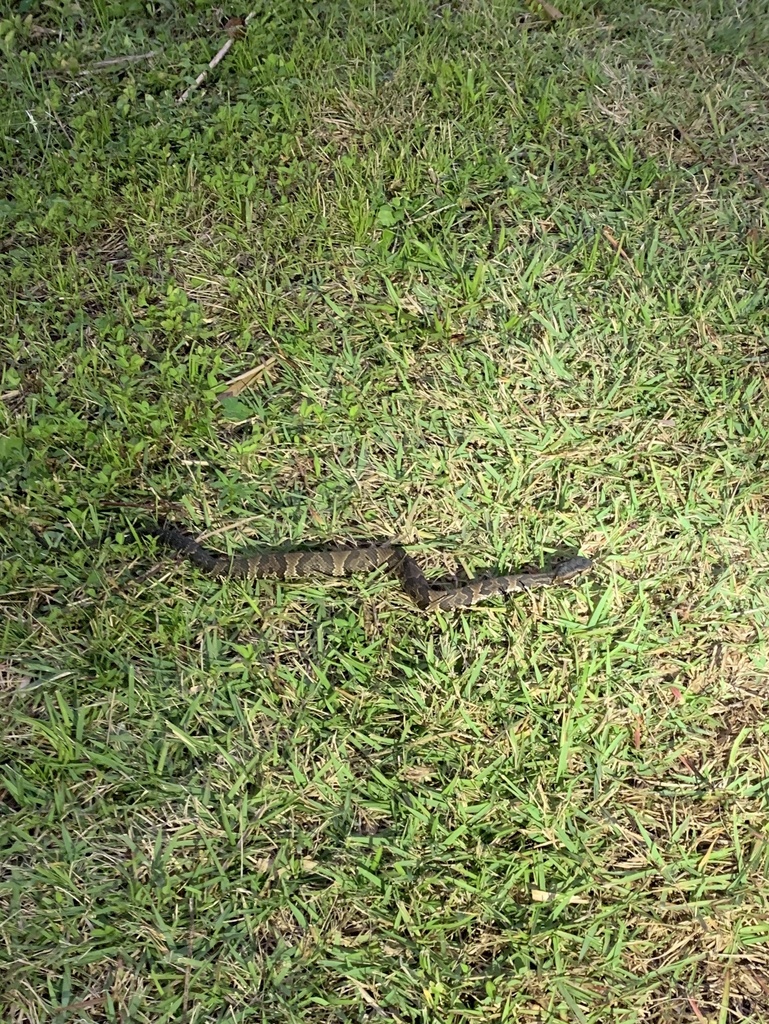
pixel 573 567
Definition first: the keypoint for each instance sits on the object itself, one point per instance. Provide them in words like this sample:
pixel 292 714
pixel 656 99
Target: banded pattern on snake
pixel 341 561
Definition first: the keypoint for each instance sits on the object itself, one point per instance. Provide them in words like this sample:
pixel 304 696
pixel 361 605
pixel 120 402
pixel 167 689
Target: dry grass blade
pixel 110 62
pixel 246 379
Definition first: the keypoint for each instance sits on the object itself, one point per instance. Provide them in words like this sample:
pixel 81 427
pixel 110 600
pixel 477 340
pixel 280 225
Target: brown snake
pixel 340 561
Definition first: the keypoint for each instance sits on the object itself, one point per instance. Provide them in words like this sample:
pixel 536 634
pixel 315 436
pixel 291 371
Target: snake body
pixel 339 561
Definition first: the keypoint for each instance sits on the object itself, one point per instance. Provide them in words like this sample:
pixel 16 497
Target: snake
pixel 344 561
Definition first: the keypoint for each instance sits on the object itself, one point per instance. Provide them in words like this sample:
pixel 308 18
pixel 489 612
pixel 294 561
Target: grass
pixel 505 285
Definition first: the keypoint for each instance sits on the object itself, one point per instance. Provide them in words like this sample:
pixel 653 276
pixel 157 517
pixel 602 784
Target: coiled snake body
pixel 340 561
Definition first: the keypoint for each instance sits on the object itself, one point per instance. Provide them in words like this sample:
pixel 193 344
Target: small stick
pixel 234 33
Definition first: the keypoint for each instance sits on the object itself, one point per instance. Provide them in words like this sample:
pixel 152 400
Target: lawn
pixel 500 284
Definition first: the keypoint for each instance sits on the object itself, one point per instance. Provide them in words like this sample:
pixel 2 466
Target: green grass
pixel 507 286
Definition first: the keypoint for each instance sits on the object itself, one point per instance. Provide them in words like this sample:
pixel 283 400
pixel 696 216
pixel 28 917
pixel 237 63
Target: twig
pixel 203 74
pixel 214 61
